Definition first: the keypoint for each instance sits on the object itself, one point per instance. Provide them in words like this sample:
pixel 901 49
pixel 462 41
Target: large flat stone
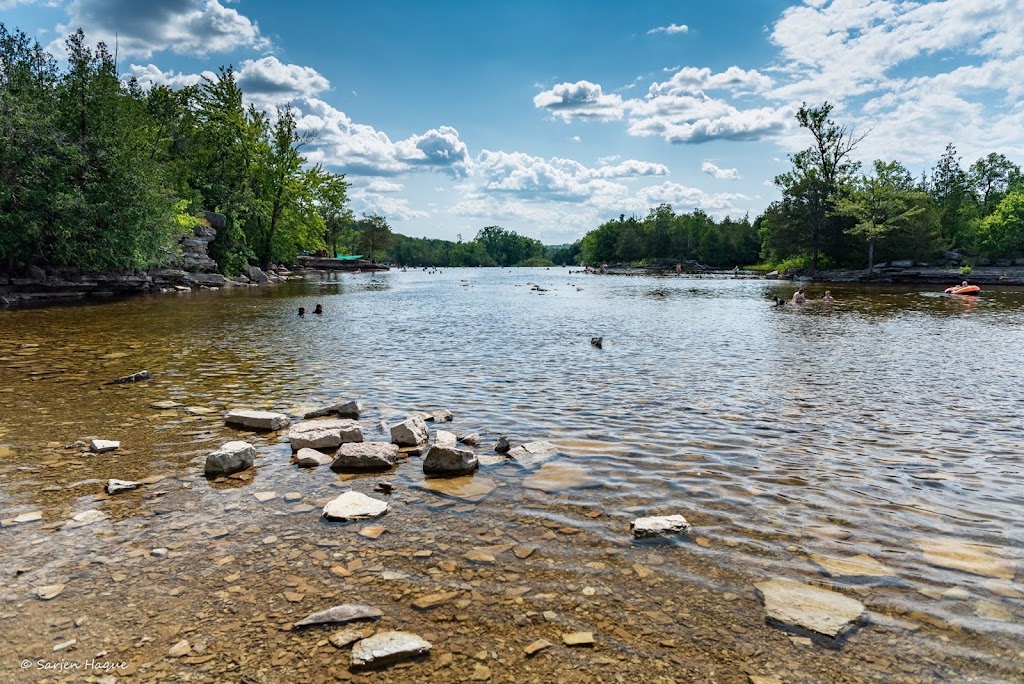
pixel 388 647
pixel 345 409
pixel 365 457
pixel 256 420
pixel 355 506
pixel 659 526
pixel 811 608
pixel 861 565
pixel 324 434
pixel 346 612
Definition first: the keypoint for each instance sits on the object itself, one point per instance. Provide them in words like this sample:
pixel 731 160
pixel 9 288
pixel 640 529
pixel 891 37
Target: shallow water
pixel 885 424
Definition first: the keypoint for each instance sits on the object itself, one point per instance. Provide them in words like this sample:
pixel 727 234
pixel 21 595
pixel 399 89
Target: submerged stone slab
pixel 533 454
pixel 410 432
pixel 449 460
pixel 355 506
pixel 365 457
pixel 256 420
pixel 468 488
pixel 324 434
pixel 345 409
pixel 861 565
pixel 814 609
pixel 230 458
pixel 558 477
pixel 385 648
pixel 957 554
pixel 659 526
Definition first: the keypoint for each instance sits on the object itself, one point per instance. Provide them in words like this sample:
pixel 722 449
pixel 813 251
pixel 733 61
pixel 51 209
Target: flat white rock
pixel 659 526
pixel 385 648
pixel 355 506
pixel 346 612
pixel 808 607
pixel 256 420
pixel 101 446
pixel 957 554
pixel 118 486
pixel 327 433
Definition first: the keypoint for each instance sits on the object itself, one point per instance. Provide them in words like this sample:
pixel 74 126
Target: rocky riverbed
pixel 181 577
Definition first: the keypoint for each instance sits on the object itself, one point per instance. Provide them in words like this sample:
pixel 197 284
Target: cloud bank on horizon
pixel 595 140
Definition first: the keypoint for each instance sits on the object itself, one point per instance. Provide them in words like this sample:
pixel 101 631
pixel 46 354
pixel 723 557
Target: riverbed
pixel 882 431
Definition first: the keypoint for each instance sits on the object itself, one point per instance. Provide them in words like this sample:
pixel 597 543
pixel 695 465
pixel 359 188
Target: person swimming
pixel 827 297
pixel 319 309
pixel 798 296
pixel 302 311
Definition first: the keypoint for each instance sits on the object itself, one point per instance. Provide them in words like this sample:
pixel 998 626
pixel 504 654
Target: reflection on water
pixel 886 424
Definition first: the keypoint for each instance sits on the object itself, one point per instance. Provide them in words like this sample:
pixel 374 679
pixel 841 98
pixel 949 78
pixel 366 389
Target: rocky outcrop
pixel 194 257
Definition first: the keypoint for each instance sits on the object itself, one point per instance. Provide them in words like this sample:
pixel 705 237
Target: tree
pixel 332 198
pixel 951 192
pixel 1002 232
pixel 990 178
pixel 882 204
pixel 374 234
pixel 818 174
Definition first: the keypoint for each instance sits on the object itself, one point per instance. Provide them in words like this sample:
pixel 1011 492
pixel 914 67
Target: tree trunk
pixel 871 256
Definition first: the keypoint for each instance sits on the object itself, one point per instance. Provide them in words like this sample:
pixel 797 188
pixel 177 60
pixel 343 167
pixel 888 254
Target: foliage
pixel 1002 232
pixel 535 262
pixel 965 270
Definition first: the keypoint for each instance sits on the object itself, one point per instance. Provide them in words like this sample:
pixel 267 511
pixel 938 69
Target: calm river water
pixel 886 427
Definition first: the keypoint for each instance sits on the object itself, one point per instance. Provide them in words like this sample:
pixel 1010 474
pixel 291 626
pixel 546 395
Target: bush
pixel 536 261
pixel 965 270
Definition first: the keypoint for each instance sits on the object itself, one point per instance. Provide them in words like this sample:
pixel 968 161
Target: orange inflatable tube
pixel 964 290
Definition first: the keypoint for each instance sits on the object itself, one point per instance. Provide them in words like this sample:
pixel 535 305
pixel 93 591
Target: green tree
pixel 1002 232
pixel 951 192
pixel 374 234
pixel 990 178
pixel 332 200
pixel 817 177
pixel 882 204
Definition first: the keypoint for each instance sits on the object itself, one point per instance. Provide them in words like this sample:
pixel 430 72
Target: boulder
pixel 659 526
pixel 256 420
pixel 347 409
pixel 101 446
pixel 533 454
pixel 410 432
pixel 502 446
pixel 311 458
pixel 365 457
pixel 443 416
pixel 355 506
pixel 449 461
pixel 230 458
pixel 217 221
pixel 811 608
pixel 324 434
pixel 257 276
pixel 388 647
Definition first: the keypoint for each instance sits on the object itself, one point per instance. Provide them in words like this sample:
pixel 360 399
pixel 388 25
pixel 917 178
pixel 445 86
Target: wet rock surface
pixel 324 433
pixel 256 420
pixel 354 506
pixel 230 458
pixel 385 648
pixel 811 608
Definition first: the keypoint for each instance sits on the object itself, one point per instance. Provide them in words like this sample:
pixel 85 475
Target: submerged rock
pixel 346 409
pixel 533 454
pixel 365 457
pixel 466 488
pixel 230 458
pixel 558 477
pixel 134 377
pixel 256 420
pixel 324 434
pixel 472 439
pixel 659 526
pixel 957 554
pixel 502 446
pixel 814 609
pixel 411 432
pixel 347 612
pixel 861 565
pixel 449 460
pixel 355 506
pixel 388 647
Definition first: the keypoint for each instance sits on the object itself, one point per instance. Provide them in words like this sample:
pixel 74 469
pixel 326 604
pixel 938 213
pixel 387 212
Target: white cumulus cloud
pixel 716 172
pixel 582 99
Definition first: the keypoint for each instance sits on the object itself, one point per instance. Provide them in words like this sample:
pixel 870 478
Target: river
pixel 884 428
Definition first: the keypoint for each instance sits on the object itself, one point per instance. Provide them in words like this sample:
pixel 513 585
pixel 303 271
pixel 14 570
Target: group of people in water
pixel 799 297
pixel 318 310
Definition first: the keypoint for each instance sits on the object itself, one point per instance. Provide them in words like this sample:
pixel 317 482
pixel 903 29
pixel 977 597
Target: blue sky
pixel 551 117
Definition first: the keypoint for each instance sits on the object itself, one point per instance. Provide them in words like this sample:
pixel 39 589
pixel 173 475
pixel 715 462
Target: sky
pixel 551 117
